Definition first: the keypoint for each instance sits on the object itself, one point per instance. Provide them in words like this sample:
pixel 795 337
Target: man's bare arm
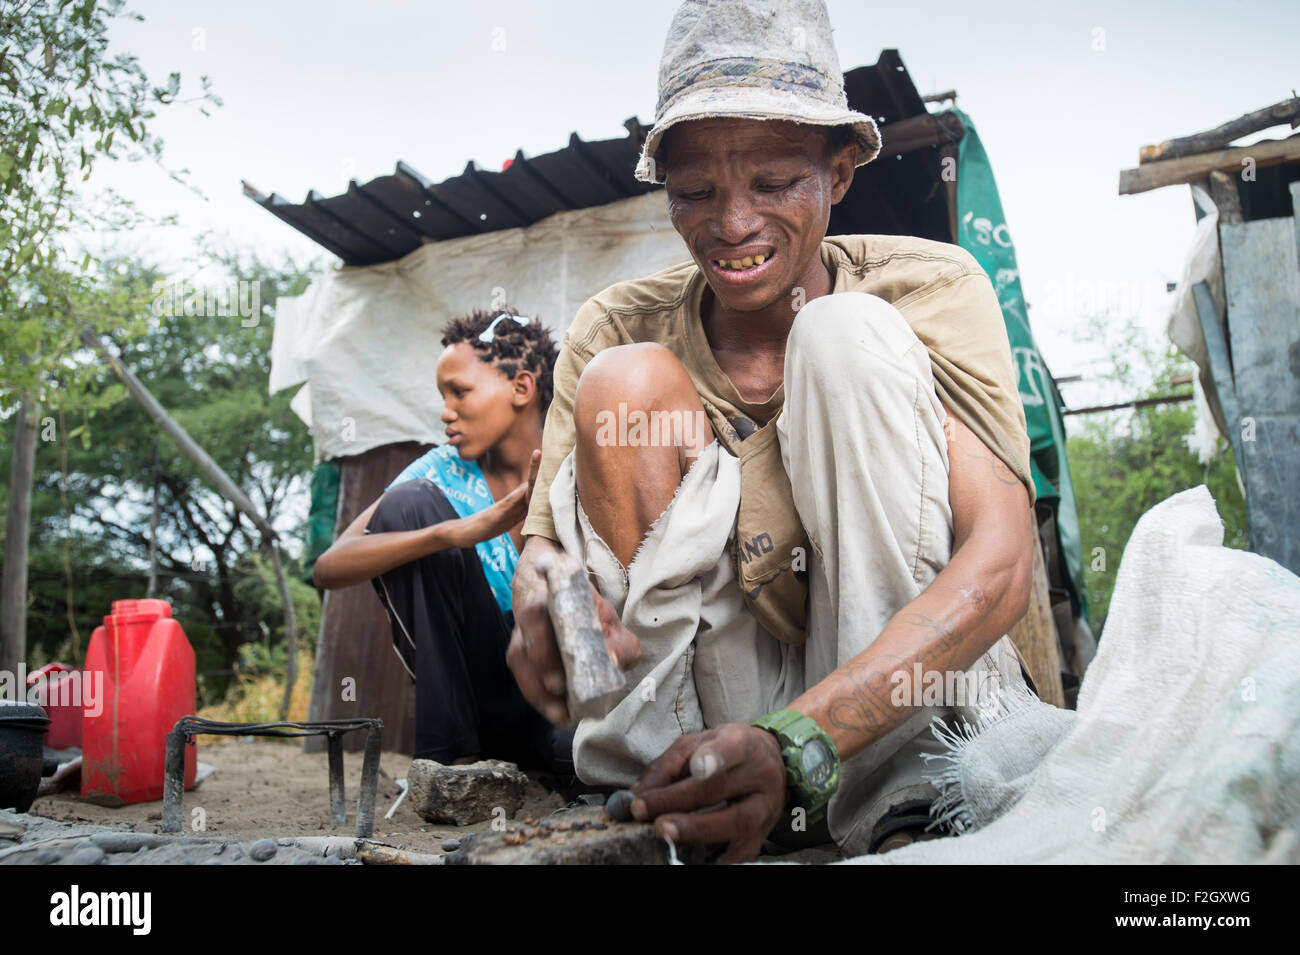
pixel 972 602
pixel 982 591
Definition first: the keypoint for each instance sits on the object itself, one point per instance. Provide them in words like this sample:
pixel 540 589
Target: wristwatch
pixel 812 764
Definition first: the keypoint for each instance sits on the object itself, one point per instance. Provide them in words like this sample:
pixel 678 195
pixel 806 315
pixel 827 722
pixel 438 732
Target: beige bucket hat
pixel 751 59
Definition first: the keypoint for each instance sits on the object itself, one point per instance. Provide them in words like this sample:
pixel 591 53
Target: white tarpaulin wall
pixel 365 339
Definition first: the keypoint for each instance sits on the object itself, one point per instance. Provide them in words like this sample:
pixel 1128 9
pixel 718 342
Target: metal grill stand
pixel 190 726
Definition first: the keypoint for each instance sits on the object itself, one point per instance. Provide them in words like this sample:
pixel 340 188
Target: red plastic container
pixel 61 695
pixel 148 668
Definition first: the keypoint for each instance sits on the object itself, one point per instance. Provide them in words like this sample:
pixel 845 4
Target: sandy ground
pixel 266 788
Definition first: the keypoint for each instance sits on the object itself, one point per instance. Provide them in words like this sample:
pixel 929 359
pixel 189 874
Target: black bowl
pixel 22 753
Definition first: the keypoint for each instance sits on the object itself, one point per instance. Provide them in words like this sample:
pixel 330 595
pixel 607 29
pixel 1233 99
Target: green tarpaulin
pixel 982 231
pixel 321 518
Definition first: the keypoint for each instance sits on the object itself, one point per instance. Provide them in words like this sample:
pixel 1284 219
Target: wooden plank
pixel 918 132
pixel 1034 637
pixel 1287 111
pixel 949 151
pixel 1171 171
pixel 356 639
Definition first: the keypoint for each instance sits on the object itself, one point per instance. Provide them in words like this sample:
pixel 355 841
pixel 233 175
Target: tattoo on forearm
pixel 862 711
pixel 868 709
pixel 947 636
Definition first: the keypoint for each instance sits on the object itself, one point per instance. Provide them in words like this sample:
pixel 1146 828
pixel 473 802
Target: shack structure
pixel 544 234
pixel 1237 315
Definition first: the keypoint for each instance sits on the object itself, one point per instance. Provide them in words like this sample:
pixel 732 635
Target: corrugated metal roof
pixel 897 194
pixel 391 216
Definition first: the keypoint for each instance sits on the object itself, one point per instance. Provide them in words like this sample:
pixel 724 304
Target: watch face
pixel 817 763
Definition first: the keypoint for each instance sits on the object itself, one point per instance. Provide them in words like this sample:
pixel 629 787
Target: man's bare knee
pixel 640 396
pixel 640 425
pixel 644 374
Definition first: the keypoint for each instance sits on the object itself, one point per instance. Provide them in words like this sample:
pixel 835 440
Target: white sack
pixel 1186 744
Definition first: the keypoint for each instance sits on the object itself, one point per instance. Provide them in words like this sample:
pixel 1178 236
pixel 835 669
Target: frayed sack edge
pixel 950 807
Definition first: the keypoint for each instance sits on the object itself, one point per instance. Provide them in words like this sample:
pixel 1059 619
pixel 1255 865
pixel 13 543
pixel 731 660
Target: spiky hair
pixel 513 348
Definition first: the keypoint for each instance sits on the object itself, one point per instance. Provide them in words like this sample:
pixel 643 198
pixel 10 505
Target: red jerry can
pixel 61 697
pixel 148 684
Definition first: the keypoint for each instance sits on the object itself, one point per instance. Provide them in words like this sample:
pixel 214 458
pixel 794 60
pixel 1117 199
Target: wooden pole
pixel 1223 190
pixel 1034 635
pixel 1141 403
pixel 290 632
pixel 13 588
pixel 918 132
pixel 153 530
pixel 228 488
pixel 1287 111
pixel 1174 171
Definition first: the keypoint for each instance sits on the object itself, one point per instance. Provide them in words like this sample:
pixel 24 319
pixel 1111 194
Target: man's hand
pixel 734 763
pixel 534 656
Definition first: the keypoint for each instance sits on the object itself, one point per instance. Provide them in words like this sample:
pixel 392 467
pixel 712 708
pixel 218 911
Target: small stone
pixel 464 795
pixel 45 857
pixel 86 855
pixel 125 841
pixel 263 849
pixel 11 832
pixel 450 845
pixel 619 805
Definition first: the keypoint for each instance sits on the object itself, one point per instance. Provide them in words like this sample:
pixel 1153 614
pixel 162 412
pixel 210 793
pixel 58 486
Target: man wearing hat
pixel 798 588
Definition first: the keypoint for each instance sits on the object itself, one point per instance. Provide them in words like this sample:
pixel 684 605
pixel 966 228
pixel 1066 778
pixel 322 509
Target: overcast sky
pixel 1063 95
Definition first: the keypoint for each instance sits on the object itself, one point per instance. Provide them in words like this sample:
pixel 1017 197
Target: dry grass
pixel 256 699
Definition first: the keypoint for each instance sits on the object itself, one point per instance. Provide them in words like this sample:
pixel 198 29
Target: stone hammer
pixel 595 684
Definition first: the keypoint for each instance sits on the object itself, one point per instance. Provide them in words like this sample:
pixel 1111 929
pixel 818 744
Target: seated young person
pixel 441 543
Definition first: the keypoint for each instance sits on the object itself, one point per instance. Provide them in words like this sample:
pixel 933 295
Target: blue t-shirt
pixel 465 487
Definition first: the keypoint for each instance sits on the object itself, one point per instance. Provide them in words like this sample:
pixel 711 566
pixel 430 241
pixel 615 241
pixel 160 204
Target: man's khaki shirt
pixel 941 291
